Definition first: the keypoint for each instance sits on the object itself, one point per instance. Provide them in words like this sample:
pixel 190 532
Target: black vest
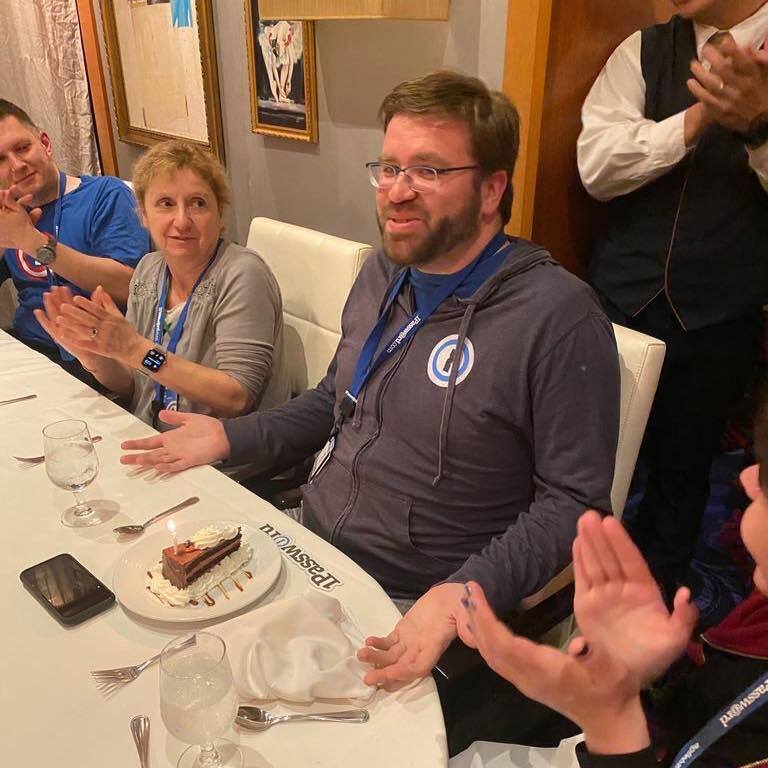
pixel 712 265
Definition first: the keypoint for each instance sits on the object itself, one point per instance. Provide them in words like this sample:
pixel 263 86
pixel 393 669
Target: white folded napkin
pixel 297 649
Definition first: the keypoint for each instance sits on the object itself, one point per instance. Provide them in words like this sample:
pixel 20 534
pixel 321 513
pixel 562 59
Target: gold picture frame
pixel 166 91
pixel 281 76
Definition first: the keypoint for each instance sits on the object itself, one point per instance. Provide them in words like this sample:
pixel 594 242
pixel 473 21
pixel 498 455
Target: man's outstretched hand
pixel 418 640
pixel 196 440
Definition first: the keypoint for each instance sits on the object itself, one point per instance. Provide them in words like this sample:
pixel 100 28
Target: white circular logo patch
pixel 30 266
pixel 443 358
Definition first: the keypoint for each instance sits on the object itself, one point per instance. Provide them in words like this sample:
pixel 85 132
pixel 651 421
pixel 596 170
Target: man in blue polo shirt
pixel 57 229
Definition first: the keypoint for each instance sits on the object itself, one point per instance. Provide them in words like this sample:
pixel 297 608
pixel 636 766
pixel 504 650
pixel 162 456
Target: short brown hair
pixel 9 109
pixel 492 119
pixel 176 155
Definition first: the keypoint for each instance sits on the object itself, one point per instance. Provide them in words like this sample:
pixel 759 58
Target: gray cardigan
pixel 234 325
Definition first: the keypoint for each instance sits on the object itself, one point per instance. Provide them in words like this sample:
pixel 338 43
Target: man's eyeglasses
pixel 420 178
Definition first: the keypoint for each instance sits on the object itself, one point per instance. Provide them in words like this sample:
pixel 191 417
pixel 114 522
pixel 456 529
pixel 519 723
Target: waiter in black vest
pixel 675 142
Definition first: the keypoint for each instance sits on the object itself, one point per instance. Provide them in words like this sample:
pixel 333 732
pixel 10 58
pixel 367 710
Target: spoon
pixel 140 733
pixel 257 719
pixel 134 529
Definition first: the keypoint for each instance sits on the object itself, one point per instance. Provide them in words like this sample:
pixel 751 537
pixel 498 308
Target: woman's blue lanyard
pixel 367 364
pixel 739 709
pixel 167 398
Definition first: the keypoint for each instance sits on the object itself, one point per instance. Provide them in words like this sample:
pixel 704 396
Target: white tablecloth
pixel 50 710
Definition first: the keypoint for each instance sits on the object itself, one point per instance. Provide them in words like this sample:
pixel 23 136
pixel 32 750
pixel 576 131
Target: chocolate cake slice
pixel 190 562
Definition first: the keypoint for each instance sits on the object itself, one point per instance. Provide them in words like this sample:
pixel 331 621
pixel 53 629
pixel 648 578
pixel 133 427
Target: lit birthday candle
pixel 172 529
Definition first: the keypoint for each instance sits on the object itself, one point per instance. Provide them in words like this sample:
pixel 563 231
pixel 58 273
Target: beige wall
pixel 324 186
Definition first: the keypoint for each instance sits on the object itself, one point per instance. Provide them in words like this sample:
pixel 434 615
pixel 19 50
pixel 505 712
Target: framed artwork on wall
pixel 281 73
pixel 162 62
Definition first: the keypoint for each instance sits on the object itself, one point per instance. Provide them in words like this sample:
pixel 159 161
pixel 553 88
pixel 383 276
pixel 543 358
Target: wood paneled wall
pixel 97 87
pixel 551 206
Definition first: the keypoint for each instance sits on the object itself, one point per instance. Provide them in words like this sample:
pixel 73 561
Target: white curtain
pixel 42 70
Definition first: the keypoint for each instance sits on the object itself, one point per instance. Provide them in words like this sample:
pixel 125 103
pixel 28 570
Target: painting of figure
pixel 282 76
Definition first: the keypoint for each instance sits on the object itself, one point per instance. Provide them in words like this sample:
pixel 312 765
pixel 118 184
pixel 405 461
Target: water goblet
pixel 198 700
pixel 72 464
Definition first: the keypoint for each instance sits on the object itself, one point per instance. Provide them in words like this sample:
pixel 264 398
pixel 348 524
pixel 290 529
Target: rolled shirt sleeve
pixel 619 150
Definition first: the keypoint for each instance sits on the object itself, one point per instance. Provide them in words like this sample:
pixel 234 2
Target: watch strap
pixel 757 134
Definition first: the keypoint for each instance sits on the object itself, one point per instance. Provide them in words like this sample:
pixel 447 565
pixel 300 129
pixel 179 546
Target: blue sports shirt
pixel 98 218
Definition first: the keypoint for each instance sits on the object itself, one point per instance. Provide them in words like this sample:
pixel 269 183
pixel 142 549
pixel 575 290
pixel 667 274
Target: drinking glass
pixel 72 464
pixel 198 701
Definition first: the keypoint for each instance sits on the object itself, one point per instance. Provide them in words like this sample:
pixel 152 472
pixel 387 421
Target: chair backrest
pixel 315 272
pixel 640 361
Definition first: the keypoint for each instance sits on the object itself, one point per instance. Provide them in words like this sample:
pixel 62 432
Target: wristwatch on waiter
pixel 757 134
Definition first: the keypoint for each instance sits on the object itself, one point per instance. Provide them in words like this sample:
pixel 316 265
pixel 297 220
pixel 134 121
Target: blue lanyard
pixel 367 363
pixel 740 708
pixel 57 221
pixel 56 228
pixel 164 396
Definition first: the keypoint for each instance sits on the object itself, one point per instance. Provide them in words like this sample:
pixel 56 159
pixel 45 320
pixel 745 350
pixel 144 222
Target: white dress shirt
pixel 619 149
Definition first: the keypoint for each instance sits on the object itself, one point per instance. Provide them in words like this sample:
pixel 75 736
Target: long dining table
pixel 51 712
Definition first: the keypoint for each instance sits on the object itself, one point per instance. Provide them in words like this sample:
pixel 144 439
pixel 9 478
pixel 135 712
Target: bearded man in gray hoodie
pixel 473 401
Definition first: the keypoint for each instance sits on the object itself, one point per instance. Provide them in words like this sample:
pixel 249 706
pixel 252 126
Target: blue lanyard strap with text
pixel 56 228
pixel 57 220
pixel 367 364
pixel 162 395
pixel 740 708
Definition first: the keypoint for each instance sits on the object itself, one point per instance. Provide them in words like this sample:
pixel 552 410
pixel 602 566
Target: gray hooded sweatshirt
pixel 480 474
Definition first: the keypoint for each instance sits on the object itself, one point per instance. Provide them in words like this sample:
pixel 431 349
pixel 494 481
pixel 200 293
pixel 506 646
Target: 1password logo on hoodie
pixel 443 358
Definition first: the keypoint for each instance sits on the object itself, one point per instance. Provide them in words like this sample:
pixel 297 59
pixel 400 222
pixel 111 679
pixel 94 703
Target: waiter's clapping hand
pixel 734 92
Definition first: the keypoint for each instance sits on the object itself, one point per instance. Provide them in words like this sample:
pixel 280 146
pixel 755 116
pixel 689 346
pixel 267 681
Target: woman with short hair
pixel 203 330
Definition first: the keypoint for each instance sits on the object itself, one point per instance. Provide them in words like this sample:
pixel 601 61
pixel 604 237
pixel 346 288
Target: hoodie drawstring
pixel 445 418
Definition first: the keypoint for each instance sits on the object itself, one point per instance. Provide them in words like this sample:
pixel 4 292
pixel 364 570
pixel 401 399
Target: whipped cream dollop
pixel 212 535
pixel 229 567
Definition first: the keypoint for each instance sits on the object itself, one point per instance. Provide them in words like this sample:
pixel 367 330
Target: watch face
pixel 153 360
pixel 45 255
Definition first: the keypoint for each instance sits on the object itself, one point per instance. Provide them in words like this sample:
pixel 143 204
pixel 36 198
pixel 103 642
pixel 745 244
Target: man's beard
pixel 440 239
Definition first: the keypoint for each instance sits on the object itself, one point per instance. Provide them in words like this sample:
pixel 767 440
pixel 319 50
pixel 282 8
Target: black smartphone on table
pixel 66 589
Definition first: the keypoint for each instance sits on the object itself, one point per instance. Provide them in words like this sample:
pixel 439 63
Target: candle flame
pixel 171 526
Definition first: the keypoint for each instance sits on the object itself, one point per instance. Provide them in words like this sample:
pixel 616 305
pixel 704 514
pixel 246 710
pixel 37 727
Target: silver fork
pixel 109 680
pixel 41 459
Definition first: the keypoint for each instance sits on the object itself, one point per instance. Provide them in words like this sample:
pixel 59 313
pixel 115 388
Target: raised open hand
pixel 97 326
pixel 618 604
pixel 587 684
pixel 53 301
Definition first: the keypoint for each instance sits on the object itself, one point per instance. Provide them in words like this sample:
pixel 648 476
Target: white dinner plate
pixel 130 580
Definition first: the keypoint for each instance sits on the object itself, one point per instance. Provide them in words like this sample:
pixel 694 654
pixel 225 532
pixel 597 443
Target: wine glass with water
pixel 198 700
pixel 71 463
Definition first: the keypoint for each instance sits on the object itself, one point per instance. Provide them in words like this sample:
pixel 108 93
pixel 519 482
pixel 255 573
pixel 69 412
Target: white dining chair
pixel 315 272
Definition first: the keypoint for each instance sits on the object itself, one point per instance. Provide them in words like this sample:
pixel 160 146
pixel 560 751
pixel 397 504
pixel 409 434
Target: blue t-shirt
pixel 99 219
pixel 481 268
